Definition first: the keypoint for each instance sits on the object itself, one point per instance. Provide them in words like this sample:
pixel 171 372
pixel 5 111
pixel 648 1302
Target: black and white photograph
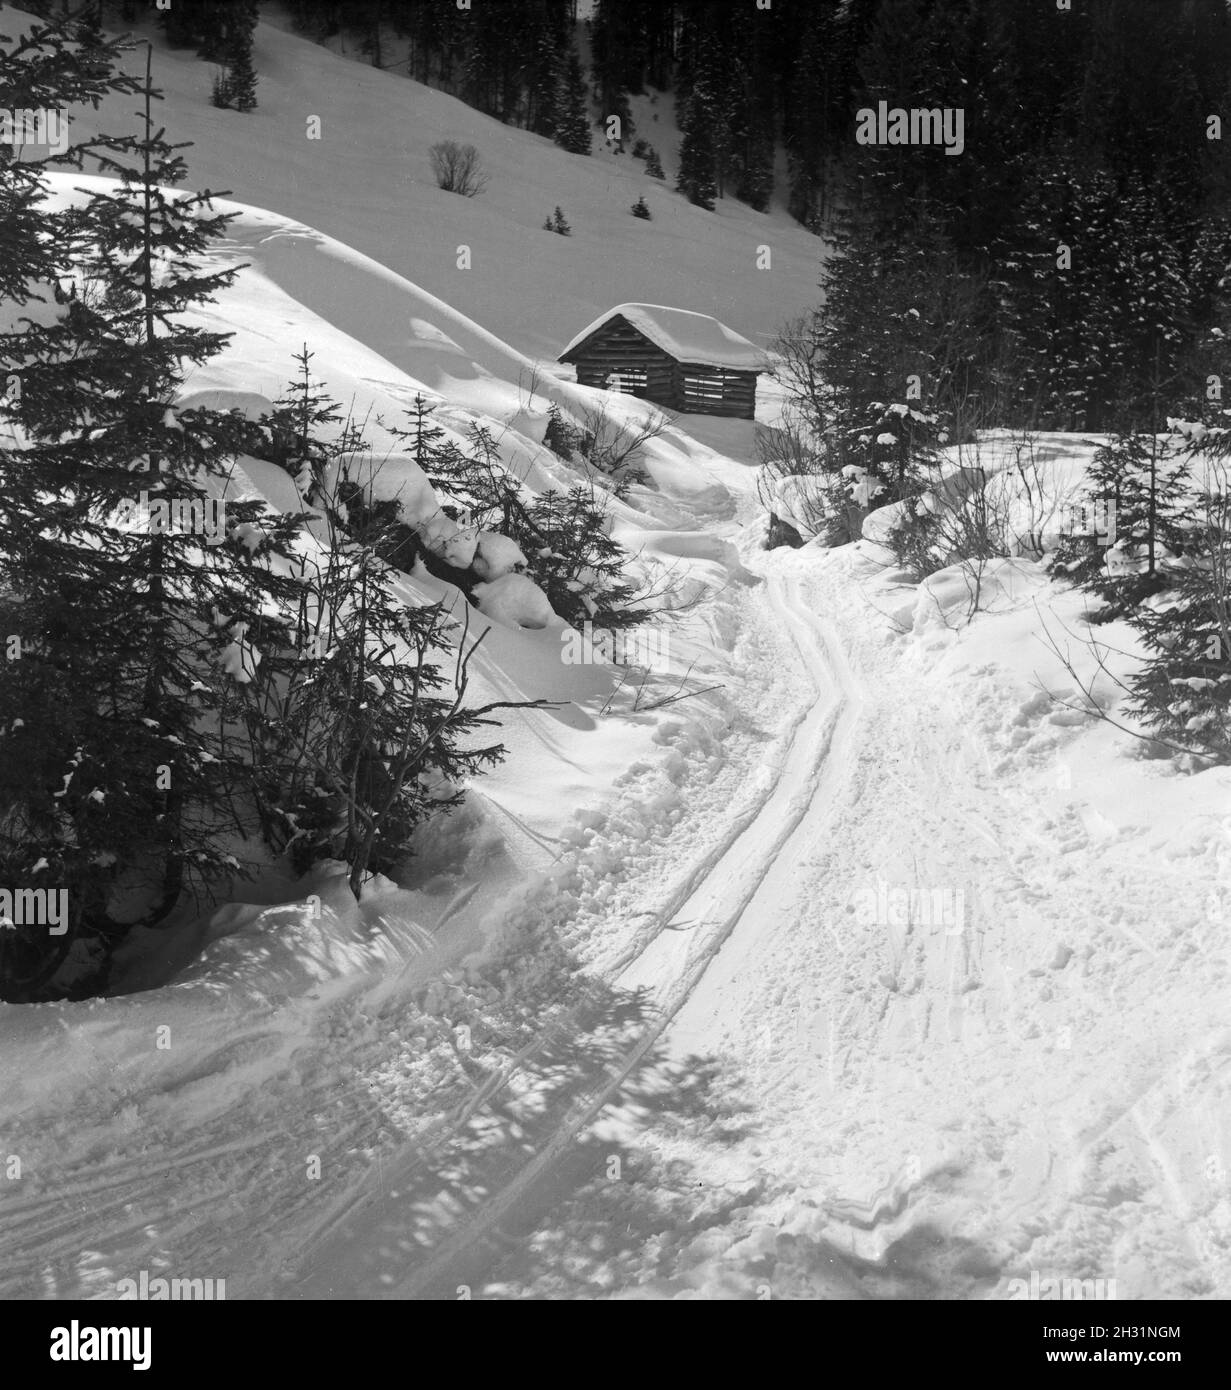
pixel 615 661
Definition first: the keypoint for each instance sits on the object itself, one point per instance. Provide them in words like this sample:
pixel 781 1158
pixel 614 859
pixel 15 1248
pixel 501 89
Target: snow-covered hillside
pixel 368 182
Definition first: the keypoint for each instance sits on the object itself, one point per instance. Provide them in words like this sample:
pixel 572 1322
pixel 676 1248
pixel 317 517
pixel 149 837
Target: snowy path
pixel 761 1092
pixel 735 882
pixel 928 1108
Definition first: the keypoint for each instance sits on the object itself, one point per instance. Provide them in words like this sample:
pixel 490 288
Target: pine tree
pixel 294 428
pixel 1183 689
pixel 571 556
pixel 121 781
pixel 440 459
pixel 559 224
pixel 619 51
pixel 184 23
pixel 618 106
pixel 1138 495
pixel 573 127
pixel 90 36
pixel 641 209
pixel 241 76
pixel 740 66
pixel 696 179
pixel 895 344
pixel 806 118
pixel 565 439
pixel 755 179
pixel 39 69
pixel 654 165
pixel 353 727
pixel 545 81
pixel 1090 528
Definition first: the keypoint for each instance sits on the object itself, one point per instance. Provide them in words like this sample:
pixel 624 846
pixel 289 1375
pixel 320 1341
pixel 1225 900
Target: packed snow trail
pixel 943 1106
pixel 935 1107
pixel 667 967
pixel 799 1101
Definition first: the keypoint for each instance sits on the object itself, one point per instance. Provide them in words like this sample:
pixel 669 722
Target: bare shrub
pixel 788 451
pixel 616 448
pixel 977 515
pixel 458 168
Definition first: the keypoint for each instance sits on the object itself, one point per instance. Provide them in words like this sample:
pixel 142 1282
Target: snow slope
pixel 367 181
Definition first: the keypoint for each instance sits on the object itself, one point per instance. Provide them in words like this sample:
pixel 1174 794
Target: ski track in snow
pixel 933 1111
pixel 860 1043
pixel 672 962
pixel 899 1151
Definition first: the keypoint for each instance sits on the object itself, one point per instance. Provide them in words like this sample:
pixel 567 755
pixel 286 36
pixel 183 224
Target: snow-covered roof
pixel 688 337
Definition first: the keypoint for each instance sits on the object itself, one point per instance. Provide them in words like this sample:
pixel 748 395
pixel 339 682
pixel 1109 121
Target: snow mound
pixel 496 555
pixel 951 596
pixel 799 500
pixel 514 600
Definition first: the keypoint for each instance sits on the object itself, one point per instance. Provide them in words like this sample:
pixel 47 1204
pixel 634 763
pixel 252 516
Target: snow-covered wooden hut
pixel 673 357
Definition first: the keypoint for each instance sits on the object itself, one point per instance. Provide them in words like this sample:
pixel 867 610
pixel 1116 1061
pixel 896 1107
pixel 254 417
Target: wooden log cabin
pixel 685 361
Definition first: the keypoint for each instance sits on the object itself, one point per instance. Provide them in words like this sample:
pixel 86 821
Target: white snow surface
pixel 496 556
pixel 516 601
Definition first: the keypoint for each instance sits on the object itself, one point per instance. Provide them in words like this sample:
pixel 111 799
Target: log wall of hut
pixel 618 348
pixel 703 390
pixel 645 370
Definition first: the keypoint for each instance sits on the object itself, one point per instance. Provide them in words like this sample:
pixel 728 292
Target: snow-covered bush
pixel 565 439
pixel 352 724
pixel 514 600
pixel 571 556
pixel 1134 529
pixel 798 489
pixel 496 555
pixel 563 541
pixel 1183 689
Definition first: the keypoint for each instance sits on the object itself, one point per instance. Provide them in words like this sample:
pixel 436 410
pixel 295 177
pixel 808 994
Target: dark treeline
pixel 1068 266
pixel 1081 231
